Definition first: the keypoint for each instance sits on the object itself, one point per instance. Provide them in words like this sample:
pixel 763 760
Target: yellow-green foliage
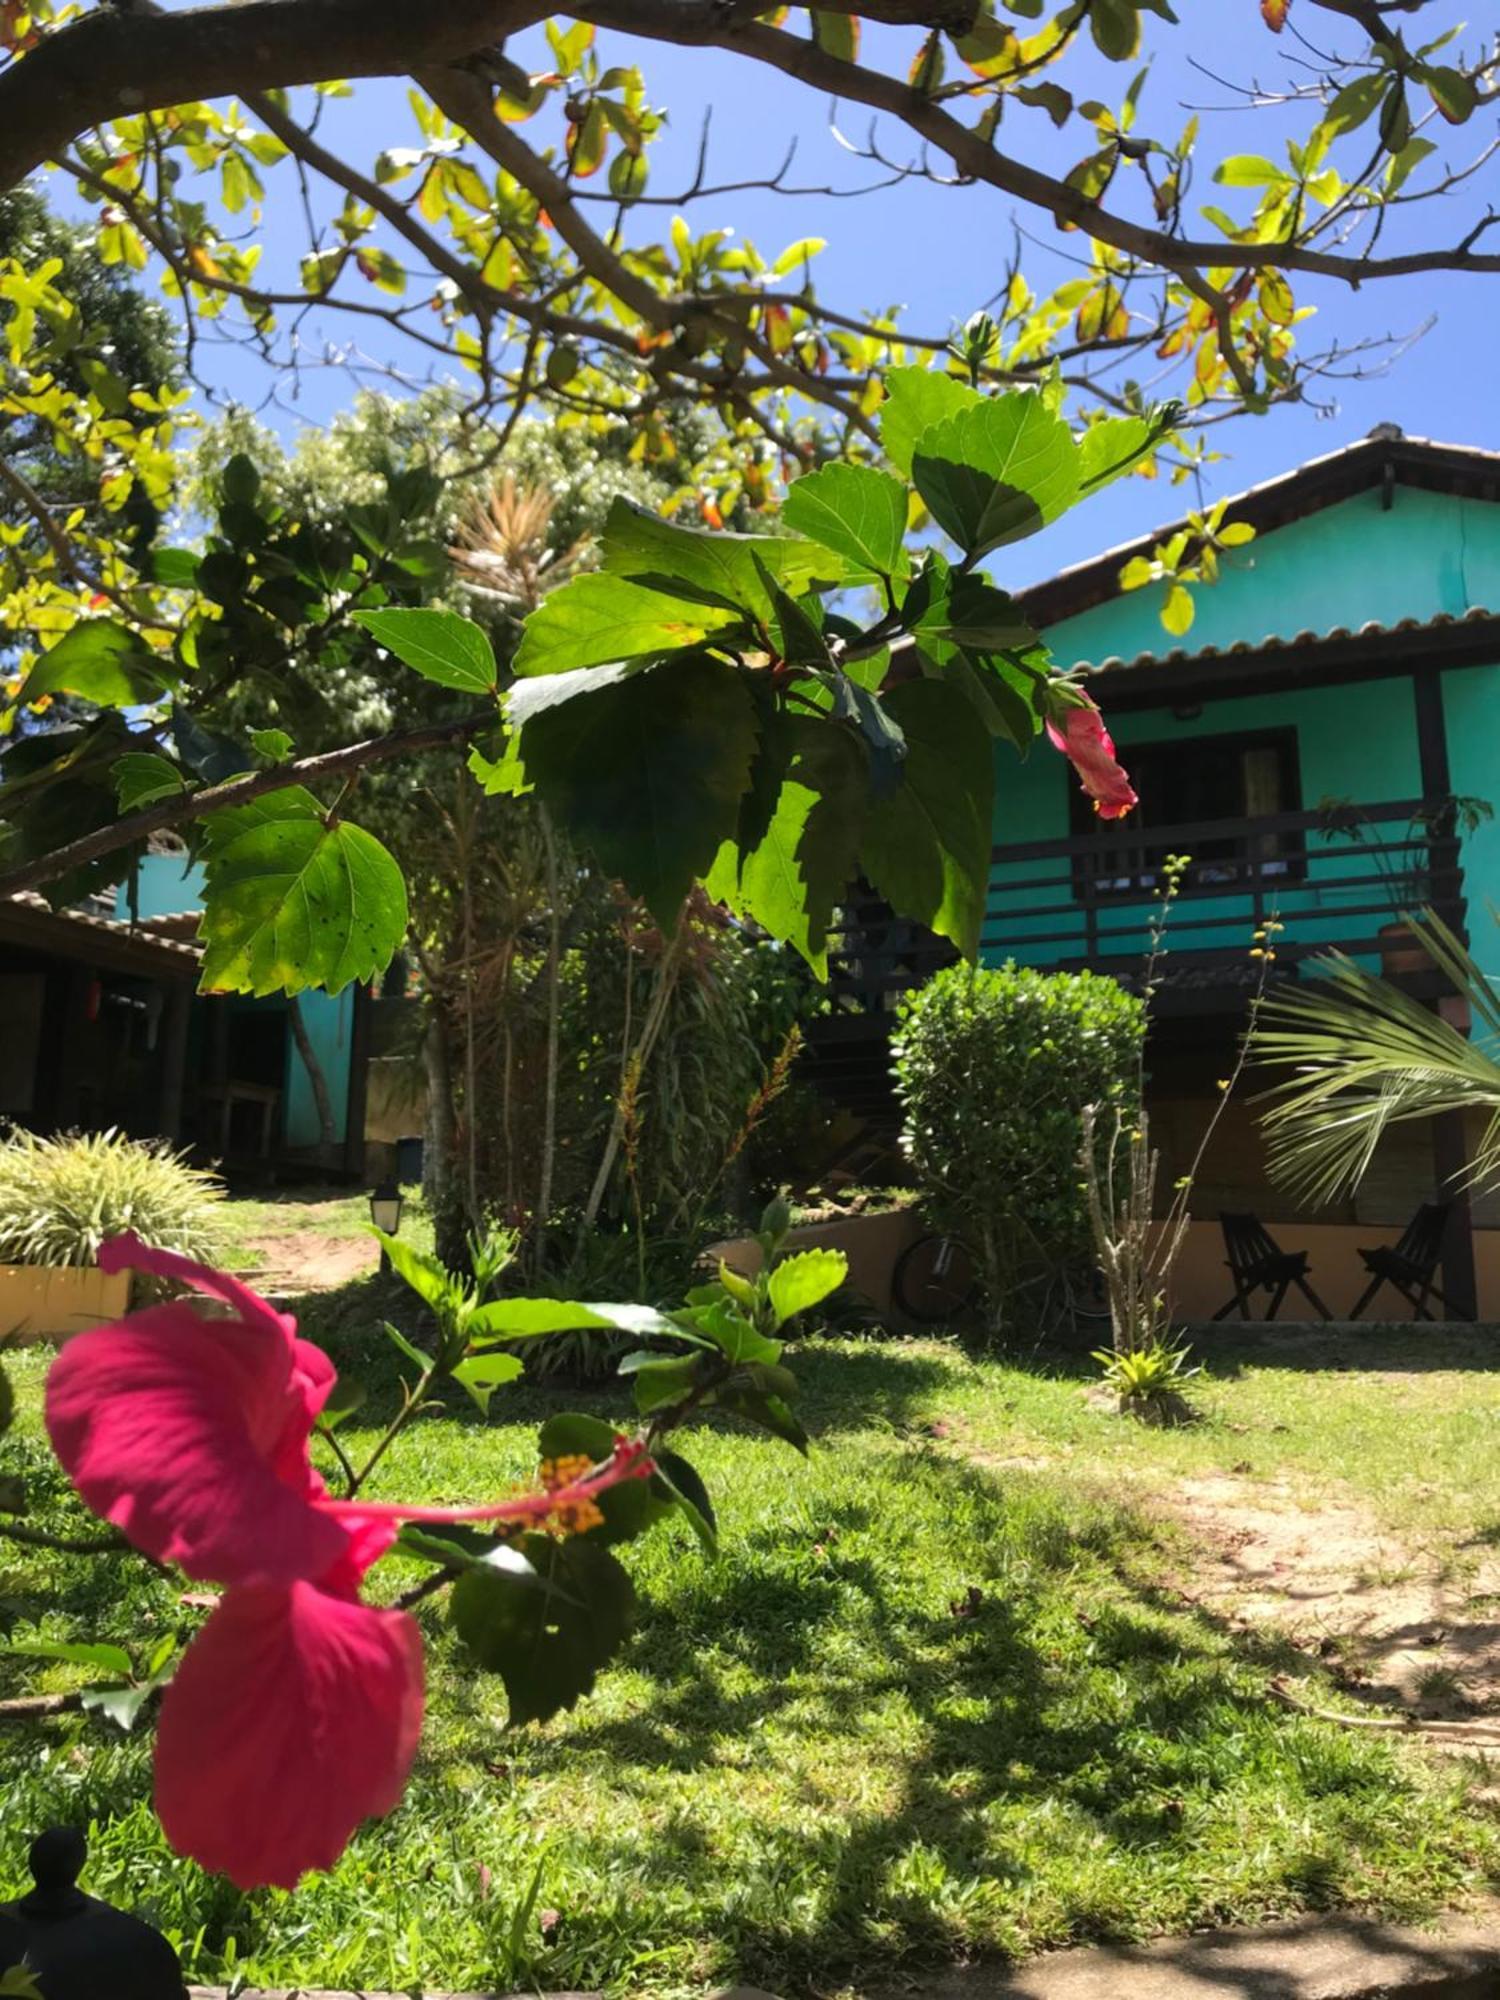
pixel 61 1198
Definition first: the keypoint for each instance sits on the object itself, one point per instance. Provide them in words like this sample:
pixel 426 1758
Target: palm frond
pixel 1367 1056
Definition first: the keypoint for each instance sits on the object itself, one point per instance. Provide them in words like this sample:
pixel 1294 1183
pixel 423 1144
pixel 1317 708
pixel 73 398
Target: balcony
pixel 1336 878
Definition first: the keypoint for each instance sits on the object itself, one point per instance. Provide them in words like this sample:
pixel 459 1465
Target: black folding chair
pixel 1411 1265
pixel 1258 1263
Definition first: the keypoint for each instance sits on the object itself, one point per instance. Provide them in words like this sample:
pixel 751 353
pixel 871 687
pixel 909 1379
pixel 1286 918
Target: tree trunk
pixel 327 1135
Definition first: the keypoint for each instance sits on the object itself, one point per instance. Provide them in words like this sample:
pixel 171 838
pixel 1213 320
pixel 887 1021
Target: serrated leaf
pixel 100 661
pixel 797 872
pixel 1111 448
pixel 927 846
pixel 996 473
pixel 404 1346
pixel 139 778
pixel 803 1281
pixel 600 617
pixel 439 645
pixel 915 400
pixel 292 900
pixel 647 772
pixel 855 510
pixel 549 1643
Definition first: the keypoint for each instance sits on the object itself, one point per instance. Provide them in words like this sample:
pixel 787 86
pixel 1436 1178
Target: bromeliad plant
pixel 295 1712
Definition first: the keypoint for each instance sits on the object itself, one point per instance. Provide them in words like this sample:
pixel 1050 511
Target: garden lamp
pixel 386 1202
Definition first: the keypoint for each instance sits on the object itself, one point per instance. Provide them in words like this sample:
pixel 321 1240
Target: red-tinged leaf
pixel 1274 13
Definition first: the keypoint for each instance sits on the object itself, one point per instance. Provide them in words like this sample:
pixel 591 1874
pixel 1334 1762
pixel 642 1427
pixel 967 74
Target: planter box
pixel 43 1304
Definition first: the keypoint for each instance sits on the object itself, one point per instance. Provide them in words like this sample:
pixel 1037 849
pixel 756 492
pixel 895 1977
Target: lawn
pixel 940 1695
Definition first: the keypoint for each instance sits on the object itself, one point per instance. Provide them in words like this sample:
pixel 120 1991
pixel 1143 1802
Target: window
pixel 1188 783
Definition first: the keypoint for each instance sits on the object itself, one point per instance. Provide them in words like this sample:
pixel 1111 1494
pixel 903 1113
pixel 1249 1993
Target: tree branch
pixel 115 62
pixel 180 809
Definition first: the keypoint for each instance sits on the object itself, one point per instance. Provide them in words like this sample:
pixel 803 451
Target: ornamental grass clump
pixel 61 1198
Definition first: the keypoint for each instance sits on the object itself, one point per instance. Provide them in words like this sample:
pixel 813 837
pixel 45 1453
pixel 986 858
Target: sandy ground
pixel 307 1262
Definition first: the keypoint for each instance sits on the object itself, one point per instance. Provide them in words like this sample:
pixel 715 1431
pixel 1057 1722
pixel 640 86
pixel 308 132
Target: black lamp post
pixel 386 1203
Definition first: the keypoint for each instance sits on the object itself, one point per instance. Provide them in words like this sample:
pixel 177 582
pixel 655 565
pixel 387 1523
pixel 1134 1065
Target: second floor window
pixel 1207 796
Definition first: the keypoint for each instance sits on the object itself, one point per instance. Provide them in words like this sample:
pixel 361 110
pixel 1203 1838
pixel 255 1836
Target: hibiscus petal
pixel 174 1428
pixel 129 1253
pixel 294 1715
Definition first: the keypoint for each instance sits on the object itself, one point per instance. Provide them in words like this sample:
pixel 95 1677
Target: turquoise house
pixel 248 1093
pixel 1325 744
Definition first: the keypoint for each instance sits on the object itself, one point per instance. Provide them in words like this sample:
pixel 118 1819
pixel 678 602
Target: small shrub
pixel 994 1069
pixel 1149 1380
pixel 61 1198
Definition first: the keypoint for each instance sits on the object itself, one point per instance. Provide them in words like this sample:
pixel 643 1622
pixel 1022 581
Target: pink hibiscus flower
pixel 295 1712
pixel 1088 746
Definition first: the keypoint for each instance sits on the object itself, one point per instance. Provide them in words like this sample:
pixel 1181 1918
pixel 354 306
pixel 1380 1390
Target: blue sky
pixel 938 251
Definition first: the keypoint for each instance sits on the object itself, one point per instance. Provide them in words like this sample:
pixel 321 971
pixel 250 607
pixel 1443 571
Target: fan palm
pixel 1367 1056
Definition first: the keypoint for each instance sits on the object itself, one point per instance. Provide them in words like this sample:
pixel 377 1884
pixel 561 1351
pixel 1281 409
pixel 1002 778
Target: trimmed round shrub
pixel 993 1067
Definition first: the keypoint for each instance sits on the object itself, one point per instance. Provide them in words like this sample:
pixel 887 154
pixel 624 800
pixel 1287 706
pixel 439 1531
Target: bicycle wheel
pixel 934 1281
pixel 1086 1293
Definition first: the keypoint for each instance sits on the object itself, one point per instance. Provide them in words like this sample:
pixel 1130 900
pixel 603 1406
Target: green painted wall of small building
pixel 165 885
pixel 1352 564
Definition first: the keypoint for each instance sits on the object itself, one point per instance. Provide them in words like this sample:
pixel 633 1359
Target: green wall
pixel 1351 565
pixel 166 885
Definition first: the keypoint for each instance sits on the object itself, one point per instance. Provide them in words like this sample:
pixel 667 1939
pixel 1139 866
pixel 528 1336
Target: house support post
pixel 174 1041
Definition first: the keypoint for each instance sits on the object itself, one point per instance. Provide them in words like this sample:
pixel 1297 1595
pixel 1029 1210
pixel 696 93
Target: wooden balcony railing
pixel 1334 879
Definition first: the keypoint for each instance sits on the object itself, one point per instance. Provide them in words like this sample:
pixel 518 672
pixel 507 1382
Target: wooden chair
pixel 1411 1265
pixel 1258 1263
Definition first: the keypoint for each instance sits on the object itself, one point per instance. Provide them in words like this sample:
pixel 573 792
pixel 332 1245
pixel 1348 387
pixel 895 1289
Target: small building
pixel 105 1027
pixel 1325 745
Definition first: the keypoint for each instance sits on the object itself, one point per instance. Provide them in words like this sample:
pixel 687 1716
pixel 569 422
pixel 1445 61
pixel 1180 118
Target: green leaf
pixel 1453 92
pixel 439 645
pixel 482 1374
pixel 240 483
pixel 709 567
pixel 647 772
pixel 547 1634
pixel 927 847
pixel 418 1269
pixel 346 1396
pixel 599 617
pixel 272 744
pixel 965 610
pixel 1251 170
pixel 176 568
pixel 121 1705
pixel 525 1319
pixel 1109 449
pixel 139 778
pixel 1116 28
pixel 101 661
pixel 994 474
pixel 292 899
pixel 915 400
pixel 404 1346
pixel 769 1411
pixel 1178 611
pixel 456 1545
pixel 1355 104
pixel 691 1495
pixel 872 717
pixel 657 1383
pixel 732 1333
pixel 804 1280
pixel 108 1659
pixel 792 879
pixel 856 511
pixel 503 776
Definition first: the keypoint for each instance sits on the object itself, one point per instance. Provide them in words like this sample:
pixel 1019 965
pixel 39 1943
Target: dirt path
pixel 1408 1625
pixel 304 1261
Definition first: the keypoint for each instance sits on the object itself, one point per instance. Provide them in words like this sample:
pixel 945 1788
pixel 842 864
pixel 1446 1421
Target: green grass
pixel 916 1710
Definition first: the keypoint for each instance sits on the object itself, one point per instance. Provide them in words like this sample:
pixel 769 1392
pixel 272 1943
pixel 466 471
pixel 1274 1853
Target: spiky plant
pixel 503 548
pixel 1365 1056
pixel 60 1198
